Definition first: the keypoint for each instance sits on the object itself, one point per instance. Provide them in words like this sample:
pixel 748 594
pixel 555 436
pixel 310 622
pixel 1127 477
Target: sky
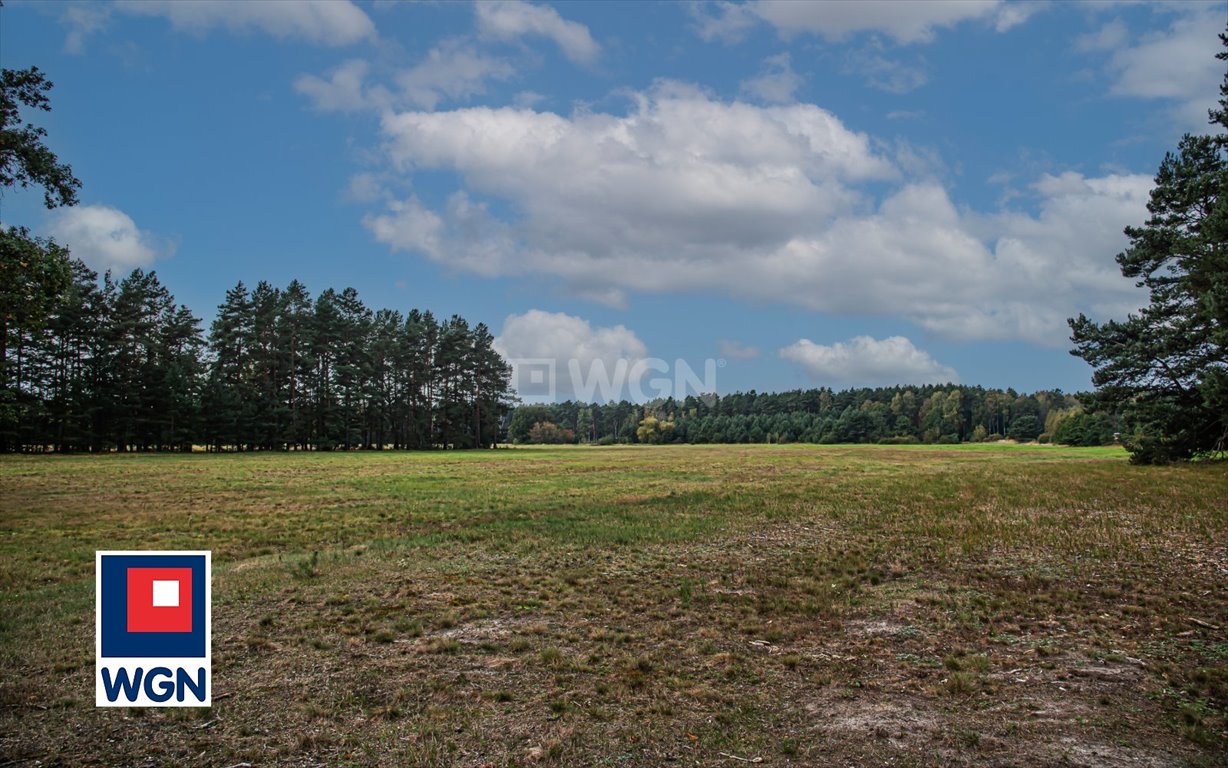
pixel 768 195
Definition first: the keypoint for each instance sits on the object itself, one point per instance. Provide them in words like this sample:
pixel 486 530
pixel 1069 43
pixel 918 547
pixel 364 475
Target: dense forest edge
pixel 119 365
pixel 894 415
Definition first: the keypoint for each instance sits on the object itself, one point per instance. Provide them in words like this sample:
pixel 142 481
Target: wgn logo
pixel 152 631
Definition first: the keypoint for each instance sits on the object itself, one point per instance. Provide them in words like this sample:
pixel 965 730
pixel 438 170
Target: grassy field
pixel 636 606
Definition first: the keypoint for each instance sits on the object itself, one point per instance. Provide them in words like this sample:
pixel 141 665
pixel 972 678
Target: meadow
pixel 639 606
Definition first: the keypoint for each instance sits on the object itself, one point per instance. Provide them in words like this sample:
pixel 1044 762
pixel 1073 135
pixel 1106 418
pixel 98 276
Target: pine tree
pixel 294 341
pixel 181 344
pixel 353 368
pixel 491 381
pixel 385 377
pixel 326 334
pixel 1166 368
pixel 228 394
pixel 450 364
pixel 417 355
pixel 33 271
pixel 267 368
pixel 72 333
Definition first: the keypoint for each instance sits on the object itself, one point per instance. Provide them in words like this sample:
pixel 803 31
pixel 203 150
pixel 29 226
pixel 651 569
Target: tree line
pixel 119 365
pixel 922 414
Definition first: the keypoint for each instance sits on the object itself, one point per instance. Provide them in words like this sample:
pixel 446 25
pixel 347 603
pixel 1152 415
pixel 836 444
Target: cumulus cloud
pixel 679 167
pixel 1061 258
pixel 688 193
pixel 408 225
pixel 965 275
pixel 513 19
pixel 776 83
pixel 451 71
pixel 105 238
pixel 1177 64
pixel 905 21
pixel 344 90
pixel 866 361
pixel 560 356
pixel 463 235
pixel 326 22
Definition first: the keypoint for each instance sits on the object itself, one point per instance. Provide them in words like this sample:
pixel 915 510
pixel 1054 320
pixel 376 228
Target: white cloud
pixel 776 83
pixel 736 350
pixel 105 238
pixel 1178 64
pixel 344 90
pixel 83 20
pixel 572 359
pixel 686 193
pixel 678 159
pixel 408 225
pixel 463 236
pixel 866 361
pixel 966 275
pixel 728 22
pixel 453 70
pixel 905 21
pixel 919 161
pixel 1062 258
pixel 1012 14
pixel 513 19
pixel 615 298
pixel 890 75
pixel 365 188
pixel 327 22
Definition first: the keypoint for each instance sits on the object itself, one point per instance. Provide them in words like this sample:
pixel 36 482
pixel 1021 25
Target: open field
pixel 806 605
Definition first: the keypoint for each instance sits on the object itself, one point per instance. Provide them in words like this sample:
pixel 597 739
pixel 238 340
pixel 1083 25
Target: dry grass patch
pixel 640 606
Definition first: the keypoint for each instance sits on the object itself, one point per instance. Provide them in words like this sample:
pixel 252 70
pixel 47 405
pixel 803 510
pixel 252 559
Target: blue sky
pixel 816 193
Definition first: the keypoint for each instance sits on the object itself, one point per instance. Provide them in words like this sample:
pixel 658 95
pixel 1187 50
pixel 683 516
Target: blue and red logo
pixel 153 633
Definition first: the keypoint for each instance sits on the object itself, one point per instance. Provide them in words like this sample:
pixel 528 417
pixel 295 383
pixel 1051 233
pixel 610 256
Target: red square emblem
pixel 159 599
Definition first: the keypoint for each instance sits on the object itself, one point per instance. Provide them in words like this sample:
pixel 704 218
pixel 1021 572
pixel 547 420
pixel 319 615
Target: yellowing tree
pixel 653 430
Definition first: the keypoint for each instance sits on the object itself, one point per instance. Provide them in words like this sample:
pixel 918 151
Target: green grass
pixel 639 605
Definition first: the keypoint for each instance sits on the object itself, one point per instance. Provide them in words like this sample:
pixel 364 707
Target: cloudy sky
pixel 836 193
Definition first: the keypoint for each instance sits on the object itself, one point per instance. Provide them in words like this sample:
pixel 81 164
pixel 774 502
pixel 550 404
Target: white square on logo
pixel 165 594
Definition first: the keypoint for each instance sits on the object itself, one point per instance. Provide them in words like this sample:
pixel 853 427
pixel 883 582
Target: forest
pixel 920 414
pixel 119 365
